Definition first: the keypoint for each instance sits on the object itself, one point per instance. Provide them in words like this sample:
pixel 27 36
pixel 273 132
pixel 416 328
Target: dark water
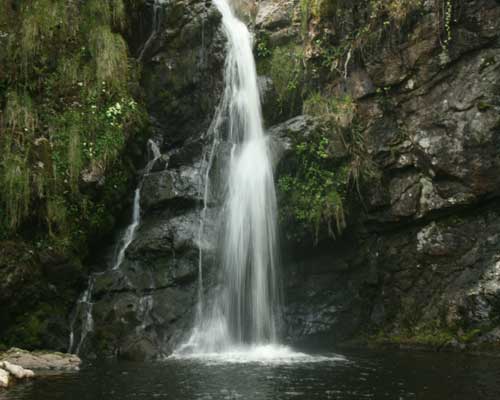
pixel 385 375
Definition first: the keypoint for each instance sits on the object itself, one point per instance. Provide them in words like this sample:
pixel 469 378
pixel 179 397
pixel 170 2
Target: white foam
pixel 270 354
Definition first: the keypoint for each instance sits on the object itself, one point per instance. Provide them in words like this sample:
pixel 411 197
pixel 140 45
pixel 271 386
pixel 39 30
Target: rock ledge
pixel 17 364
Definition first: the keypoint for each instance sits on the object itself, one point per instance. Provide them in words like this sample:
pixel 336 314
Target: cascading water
pixel 130 232
pixel 155 26
pixel 245 309
pixel 84 306
pixel 128 237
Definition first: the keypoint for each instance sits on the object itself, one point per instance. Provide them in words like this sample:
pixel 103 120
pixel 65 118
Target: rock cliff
pixel 386 123
pixel 418 262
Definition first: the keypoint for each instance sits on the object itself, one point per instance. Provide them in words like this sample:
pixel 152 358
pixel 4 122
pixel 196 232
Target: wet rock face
pixel 423 256
pixel 143 309
pixel 443 274
pixel 282 135
pixel 43 281
pixel 424 253
pixel 182 184
pixel 446 114
pixel 182 68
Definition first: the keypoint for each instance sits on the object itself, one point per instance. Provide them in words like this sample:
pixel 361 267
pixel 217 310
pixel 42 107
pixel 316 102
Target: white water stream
pixel 245 310
pixel 130 232
pixel 155 26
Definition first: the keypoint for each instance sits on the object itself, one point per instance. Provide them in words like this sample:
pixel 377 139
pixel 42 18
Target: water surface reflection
pixel 357 376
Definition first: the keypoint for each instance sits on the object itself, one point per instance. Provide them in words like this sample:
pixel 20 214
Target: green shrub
pixel 315 188
pixel 327 170
pixel 262 47
pixel 339 116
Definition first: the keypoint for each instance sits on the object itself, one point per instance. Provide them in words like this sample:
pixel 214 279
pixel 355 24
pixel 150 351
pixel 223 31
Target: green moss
pixel 318 105
pixel 432 335
pixel 316 9
pixel 65 96
pixel 57 214
pixel 109 53
pixel 486 62
pixel 433 339
pixel 335 32
pixel 28 332
pixel 106 13
pixel 287 73
pixel 331 109
pixel 483 106
pixel 20 116
pixel 305 15
pixel 470 335
pixel 397 10
pixel 118 17
pixel 16 192
pixel 42 21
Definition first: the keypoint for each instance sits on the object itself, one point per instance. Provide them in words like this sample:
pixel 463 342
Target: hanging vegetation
pixel 66 111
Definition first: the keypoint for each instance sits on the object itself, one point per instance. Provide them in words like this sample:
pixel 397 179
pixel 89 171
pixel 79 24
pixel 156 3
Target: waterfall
pixel 155 26
pixel 245 308
pixel 130 231
pixel 84 305
pixel 84 310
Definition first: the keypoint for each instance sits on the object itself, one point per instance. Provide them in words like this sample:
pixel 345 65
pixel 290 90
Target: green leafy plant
pixel 262 46
pixel 315 189
pixel 329 167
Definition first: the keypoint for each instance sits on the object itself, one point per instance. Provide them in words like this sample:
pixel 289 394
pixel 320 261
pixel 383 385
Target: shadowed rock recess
pixel 385 123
